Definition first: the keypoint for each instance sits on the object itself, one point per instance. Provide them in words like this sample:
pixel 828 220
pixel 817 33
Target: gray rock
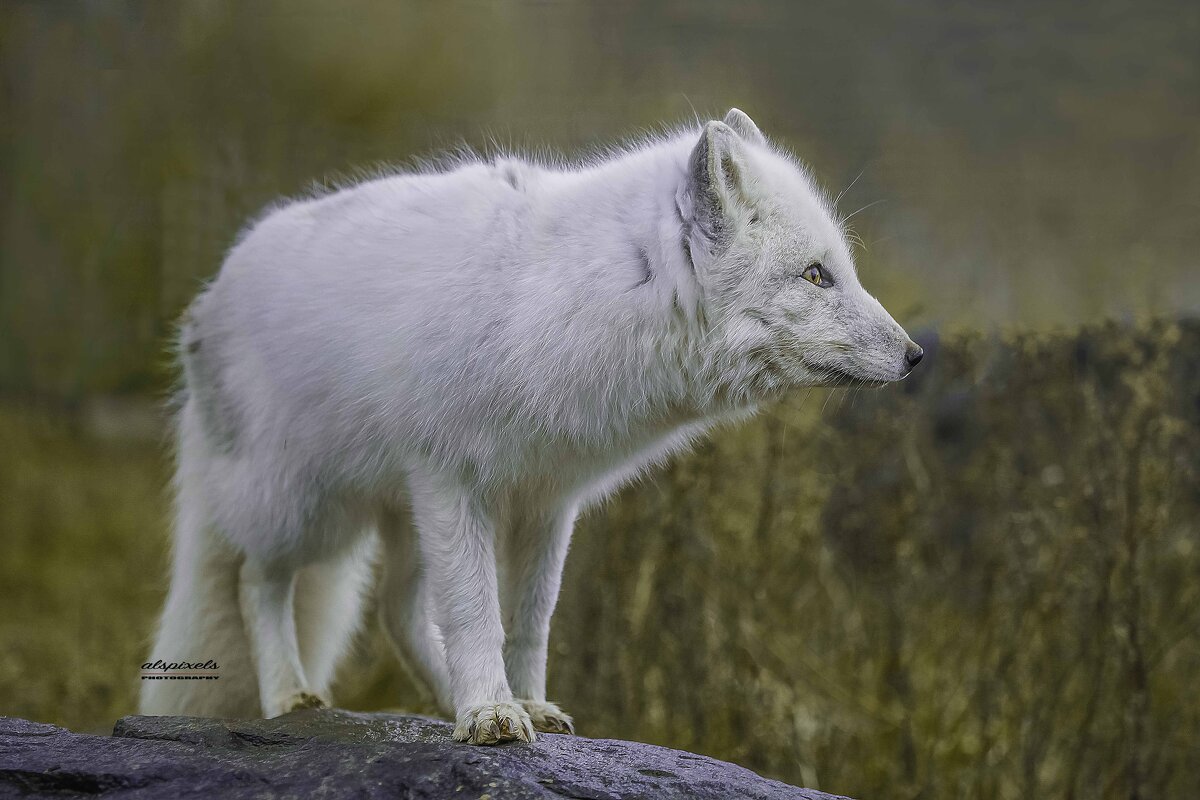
pixel 332 753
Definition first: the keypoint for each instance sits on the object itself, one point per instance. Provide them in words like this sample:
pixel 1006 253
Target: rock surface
pixel 333 753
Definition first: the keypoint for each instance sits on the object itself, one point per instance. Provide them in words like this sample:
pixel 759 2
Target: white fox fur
pixel 485 349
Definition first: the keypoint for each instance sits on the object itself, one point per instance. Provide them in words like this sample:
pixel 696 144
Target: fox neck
pixel 700 376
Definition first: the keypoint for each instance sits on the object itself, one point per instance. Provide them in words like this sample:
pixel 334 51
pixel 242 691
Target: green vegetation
pixel 984 582
pixel 83 571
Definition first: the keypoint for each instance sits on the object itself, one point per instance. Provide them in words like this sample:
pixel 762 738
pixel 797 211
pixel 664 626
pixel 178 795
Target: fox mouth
pixel 832 377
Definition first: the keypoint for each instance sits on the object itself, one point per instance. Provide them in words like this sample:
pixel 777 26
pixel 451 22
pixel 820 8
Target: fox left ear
pixel 715 178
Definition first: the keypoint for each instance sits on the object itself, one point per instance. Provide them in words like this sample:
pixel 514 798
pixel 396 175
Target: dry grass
pixel 984 583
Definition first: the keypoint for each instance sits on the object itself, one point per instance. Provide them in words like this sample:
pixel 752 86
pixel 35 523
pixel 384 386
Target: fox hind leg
pixel 267 596
pixel 328 607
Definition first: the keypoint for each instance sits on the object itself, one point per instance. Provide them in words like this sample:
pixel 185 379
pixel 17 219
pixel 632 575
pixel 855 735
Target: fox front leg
pixel 535 556
pixel 457 540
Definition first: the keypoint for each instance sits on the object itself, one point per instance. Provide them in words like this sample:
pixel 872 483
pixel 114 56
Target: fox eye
pixel 815 275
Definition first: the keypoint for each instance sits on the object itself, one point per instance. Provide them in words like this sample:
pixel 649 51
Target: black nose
pixel 913 355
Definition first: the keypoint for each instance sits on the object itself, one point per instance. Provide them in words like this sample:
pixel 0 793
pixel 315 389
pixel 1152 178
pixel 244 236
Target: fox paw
pixel 493 723
pixel 547 717
pixel 298 702
pixel 306 700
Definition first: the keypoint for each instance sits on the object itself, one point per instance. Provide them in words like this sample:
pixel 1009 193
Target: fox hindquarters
pixel 438 370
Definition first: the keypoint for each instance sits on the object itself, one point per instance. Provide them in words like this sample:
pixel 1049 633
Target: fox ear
pixel 744 126
pixel 715 178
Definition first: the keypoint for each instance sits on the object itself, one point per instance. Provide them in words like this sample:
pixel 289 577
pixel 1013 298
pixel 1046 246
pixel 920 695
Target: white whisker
pixel 864 208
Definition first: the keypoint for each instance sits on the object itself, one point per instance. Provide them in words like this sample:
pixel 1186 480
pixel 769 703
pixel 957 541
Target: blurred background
pixel 983 584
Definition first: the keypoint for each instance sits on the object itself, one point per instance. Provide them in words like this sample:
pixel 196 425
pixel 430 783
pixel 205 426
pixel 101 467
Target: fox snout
pixel 910 355
pixel 913 354
pixel 897 356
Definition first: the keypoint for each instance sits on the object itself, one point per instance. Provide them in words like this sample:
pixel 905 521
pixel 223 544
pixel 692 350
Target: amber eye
pixel 815 275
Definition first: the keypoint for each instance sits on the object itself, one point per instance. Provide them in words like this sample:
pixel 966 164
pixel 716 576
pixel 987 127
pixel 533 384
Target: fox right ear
pixel 745 127
pixel 715 174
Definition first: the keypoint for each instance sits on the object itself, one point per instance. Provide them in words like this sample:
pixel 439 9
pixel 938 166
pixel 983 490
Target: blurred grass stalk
pixel 983 582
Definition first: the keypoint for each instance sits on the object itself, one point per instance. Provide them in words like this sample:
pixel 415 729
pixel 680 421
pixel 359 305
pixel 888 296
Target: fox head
pixel 777 279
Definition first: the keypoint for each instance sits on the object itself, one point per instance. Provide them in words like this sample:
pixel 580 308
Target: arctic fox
pixel 486 350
